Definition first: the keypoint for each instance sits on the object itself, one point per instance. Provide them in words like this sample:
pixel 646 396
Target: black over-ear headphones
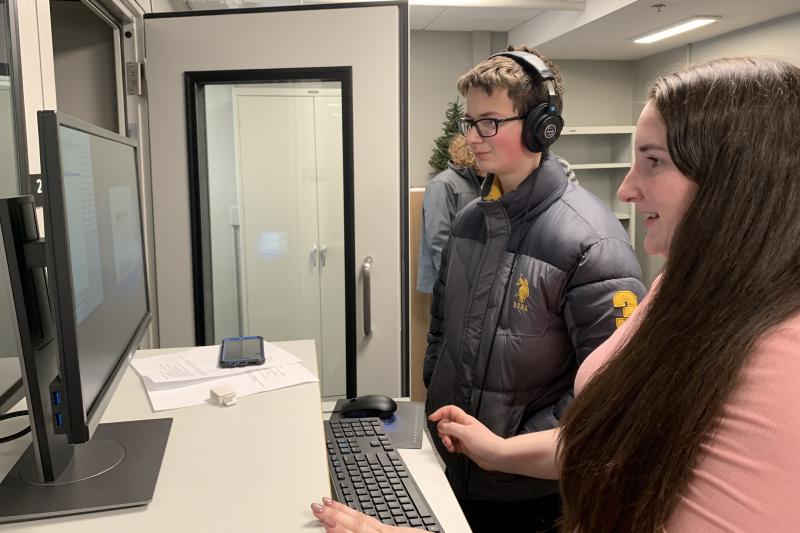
pixel 543 123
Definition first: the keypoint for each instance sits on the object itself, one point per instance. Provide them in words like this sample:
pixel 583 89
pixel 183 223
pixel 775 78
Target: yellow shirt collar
pixel 495 192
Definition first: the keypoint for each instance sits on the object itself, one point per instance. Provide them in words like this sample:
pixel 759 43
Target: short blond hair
pixel 505 73
pixel 460 154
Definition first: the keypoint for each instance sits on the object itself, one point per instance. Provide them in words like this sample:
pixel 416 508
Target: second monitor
pixel 95 293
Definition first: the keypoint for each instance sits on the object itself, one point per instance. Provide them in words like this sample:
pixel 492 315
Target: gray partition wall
pixel 372 40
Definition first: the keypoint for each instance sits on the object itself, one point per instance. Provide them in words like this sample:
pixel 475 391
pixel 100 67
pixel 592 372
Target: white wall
pixel 647 70
pixel 438 58
pixel 596 93
pixel 776 38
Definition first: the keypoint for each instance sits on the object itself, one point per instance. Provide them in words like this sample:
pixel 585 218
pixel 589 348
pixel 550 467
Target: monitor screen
pixel 101 207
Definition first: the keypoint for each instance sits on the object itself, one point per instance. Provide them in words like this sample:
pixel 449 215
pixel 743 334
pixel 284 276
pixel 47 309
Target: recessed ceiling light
pixel 443 3
pixel 687 25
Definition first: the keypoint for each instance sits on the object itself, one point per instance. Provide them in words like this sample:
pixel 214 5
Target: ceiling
pixel 611 36
pixel 469 18
pixel 490 15
pixel 566 29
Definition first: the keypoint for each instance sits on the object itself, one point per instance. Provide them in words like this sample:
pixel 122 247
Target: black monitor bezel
pixel 81 423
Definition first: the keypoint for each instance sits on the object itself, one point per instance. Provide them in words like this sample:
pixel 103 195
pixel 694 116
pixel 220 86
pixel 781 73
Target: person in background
pixel 687 418
pixel 537 273
pixel 447 194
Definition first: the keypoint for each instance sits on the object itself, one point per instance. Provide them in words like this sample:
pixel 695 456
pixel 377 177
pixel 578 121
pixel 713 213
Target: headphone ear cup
pixel 530 128
pixel 548 128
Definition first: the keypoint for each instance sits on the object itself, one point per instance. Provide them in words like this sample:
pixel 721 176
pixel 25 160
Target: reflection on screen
pixel 271 244
pixel 125 230
pixel 82 221
pixel 106 254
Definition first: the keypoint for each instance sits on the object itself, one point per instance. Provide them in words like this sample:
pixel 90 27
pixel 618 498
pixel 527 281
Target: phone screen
pixel 241 349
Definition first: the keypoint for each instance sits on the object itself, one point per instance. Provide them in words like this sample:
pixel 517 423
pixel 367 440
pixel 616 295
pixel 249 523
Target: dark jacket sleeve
pixel 436 329
pixel 604 289
pixel 439 208
pixel 602 292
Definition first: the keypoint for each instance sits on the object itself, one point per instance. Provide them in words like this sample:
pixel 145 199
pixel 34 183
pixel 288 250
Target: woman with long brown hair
pixel 688 417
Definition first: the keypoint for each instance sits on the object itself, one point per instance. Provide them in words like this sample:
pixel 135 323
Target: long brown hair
pixel 631 438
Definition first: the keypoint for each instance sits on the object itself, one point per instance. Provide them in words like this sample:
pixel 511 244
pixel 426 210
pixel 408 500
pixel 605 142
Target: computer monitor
pixel 95 293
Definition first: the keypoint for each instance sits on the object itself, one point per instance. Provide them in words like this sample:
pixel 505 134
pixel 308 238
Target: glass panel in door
pixel 277 218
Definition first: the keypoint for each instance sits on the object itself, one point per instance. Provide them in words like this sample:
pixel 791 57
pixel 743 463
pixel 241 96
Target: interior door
pixel 292 38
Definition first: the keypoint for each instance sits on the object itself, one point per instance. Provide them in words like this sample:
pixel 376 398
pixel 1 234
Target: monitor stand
pixel 117 468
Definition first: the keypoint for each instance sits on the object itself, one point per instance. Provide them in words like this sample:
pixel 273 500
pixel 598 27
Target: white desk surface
pixel 255 466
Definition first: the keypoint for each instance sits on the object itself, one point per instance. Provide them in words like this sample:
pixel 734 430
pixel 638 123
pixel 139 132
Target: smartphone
pixel 241 351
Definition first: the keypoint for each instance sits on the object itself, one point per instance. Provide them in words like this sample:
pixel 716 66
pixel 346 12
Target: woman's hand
pixel 339 518
pixel 462 433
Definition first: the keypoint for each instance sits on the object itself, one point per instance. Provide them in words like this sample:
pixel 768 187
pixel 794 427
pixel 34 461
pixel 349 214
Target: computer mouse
pixel 369 405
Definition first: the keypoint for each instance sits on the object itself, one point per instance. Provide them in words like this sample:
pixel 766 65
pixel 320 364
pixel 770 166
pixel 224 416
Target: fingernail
pixel 327 501
pixel 316 508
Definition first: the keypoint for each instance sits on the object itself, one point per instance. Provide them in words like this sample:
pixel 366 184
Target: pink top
pixel 747 479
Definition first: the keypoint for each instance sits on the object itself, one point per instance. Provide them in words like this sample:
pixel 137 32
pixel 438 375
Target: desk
pixel 267 453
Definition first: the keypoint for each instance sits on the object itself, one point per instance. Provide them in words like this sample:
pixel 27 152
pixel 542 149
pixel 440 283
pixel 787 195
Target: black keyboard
pixel 368 474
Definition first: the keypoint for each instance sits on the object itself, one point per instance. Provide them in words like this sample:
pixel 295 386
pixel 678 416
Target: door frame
pixel 25 182
pixel 199 203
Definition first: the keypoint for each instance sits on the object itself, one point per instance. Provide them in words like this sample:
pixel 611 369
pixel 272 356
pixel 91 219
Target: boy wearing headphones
pixel 537 273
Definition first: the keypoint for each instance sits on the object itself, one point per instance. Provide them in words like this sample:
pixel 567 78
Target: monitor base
pixel 91 482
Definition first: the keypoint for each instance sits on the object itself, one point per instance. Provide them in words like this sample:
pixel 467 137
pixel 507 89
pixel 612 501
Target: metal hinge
pixel 134 74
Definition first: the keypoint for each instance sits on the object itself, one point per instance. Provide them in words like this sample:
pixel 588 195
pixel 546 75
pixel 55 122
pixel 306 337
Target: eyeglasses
pixel 486 127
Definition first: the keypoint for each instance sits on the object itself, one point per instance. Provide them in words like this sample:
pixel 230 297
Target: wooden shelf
pixel 600 156
pixel 598 166
pixel 598 130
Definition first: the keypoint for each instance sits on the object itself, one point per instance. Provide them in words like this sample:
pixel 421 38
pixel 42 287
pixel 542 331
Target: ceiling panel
pixel 611 37
pixel 422 16
pixel 479 18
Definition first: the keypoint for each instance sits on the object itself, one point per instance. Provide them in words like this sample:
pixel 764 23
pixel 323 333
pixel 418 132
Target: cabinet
pixel 600 157
pixel 288 144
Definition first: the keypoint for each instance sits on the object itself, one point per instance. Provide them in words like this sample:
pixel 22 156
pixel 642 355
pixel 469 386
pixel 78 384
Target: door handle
pixel 366 269
pixel 323 254
pixel 312 256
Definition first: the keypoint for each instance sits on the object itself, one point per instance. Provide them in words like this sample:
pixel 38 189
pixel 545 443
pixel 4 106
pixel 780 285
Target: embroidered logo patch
pixel 523 291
